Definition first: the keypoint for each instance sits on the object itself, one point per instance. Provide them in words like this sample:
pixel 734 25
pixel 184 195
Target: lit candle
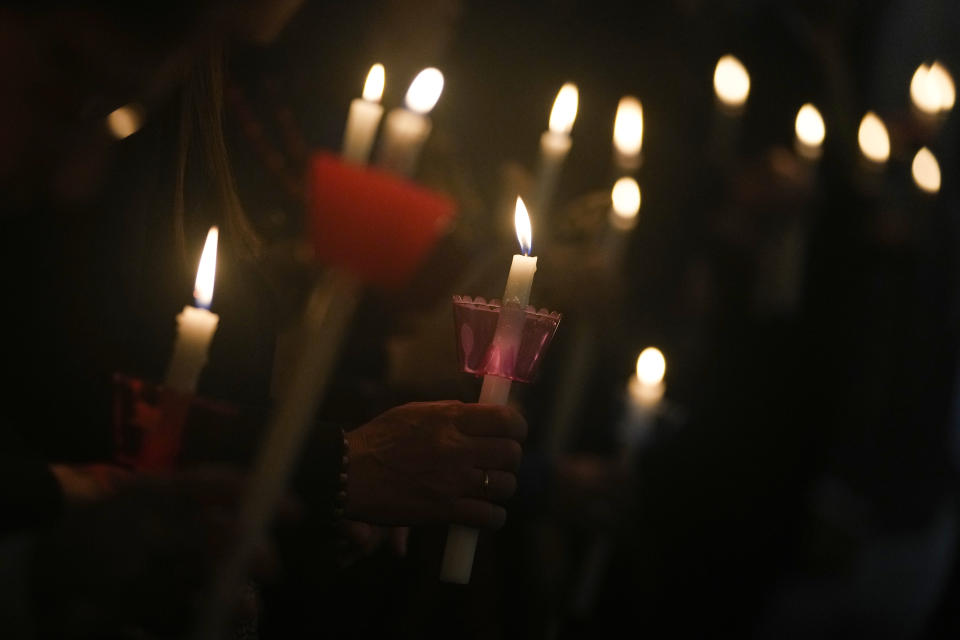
pixel 644 393
pixel 555 145
pixel 462 541
pixel 810 132
pixel 874 140
pixel 195 325
pixel 364 118
pixel 625 205
pixel 926 171
pixel 731 86
pixel 407 129
pixel 931 89
pixel 628 134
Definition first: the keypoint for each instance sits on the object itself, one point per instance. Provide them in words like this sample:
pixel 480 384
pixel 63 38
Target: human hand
pixel 424 463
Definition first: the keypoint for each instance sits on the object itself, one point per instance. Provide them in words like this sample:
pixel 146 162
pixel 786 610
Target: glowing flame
pixel 944 83
pixel 731 81
pixel 425 90
pixel 651 365
pixel 373 87
pixel 564 110
pixel 926 171
pixel 125 121
pixel 203 288
pixel 521 220
pixel 809 126
pixel 628 126
pixel 626 198
pixel 873 138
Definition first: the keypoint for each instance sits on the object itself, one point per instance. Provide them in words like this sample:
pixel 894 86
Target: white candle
pixel 810 132
pixel 555 144
pixel 405 130
pixel 931 90
pixel 364 118
pixel 731 86
pixel 644 393
pixel 195 325
pixel 926 171
pixel 628 134
pixel 462 541
pixel 874 140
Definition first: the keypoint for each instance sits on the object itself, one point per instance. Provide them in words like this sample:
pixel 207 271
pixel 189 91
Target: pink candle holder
pixel 475 322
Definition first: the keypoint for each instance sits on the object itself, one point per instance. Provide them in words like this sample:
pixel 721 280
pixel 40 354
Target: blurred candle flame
pixel 626 198
pixel 125 121
pixel 203 288
pixel 373 87
pixel 521 221
pixel 926 171
pixel 651 366
pixel 873 138
pixel 944 83
pixel 425 90
pixel 628 126
pixel 809 126
pixel 564 111
pixel 731 82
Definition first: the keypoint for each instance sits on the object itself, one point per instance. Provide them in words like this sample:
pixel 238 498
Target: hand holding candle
pixel 195 325
pixel 407 129
pixel 364 118
pixel 462 541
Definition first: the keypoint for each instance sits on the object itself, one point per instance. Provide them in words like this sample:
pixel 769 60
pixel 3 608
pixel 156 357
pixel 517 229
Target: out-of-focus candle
pixel 926 171
pixel 731 83
pixel 125 121
pixel 873 139
pixel 810 132
pixel 462 541
pixel 628 134
pixel 407 129
pixel 195 325
pixel 931 89
pixel 625 201
pixel 644 393
pixel 555 144
pixel 364 118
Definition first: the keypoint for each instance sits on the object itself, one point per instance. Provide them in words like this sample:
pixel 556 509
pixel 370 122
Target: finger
pixel 487 420
pixel 494 453
pixel 500 488
pixel 479 514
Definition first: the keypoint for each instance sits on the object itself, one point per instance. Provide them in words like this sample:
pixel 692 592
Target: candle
pixel 931 89
pixel 555 145
pixel 926 171
pixel 731 85
pixel 462 541
pixel 810 132
pixel 625 205
pixel 364 118
pixel 873 139
pixel 407 129
pixel 195 325
pixel 628 134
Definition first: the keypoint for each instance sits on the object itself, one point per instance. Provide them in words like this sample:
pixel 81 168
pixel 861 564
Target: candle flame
pixel 809 126
pixel 203 288
pixel 521 220
pixel 945 85
pixel 125 121
pixel 926 171
pixel 373 87
pixel 651 366
pixel 873 138
pixel 626 198
pixel 564 110
pixel 628 126
pixel 731 82
pixel 425 90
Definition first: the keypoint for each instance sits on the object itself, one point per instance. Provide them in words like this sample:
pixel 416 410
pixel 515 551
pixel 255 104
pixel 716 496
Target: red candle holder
pixel 475 322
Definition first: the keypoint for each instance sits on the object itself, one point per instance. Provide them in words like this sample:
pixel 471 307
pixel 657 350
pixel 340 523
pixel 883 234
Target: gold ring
pixel 486 482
